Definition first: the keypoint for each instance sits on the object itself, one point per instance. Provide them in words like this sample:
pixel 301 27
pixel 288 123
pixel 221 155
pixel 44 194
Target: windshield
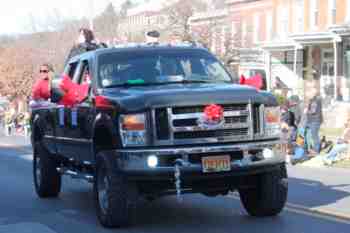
pixel 152 68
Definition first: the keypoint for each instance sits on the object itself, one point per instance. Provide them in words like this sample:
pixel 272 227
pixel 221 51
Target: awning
pixel 316 38
pixel 297 41
pixel 280 46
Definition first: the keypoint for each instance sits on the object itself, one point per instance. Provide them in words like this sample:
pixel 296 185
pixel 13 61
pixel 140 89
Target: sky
pixel 16 15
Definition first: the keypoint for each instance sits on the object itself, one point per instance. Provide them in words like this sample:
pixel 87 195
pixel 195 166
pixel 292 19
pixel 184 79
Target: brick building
pixel 303 42
pixel 143 17
pixel 311 41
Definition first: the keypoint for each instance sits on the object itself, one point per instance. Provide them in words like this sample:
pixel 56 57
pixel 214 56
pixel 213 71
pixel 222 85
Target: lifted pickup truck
pixel 160 120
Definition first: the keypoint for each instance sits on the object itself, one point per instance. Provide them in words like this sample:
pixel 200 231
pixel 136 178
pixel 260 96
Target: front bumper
pixel 249 161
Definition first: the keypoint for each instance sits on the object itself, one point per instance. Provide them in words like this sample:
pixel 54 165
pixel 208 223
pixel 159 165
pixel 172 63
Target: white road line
pixel 28 157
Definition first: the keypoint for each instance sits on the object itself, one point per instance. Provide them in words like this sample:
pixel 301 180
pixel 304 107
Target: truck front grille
pixel 211 133
pixel 179 125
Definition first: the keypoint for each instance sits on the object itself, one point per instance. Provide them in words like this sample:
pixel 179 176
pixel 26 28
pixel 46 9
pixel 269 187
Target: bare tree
pixel 179 14
pixel 106 24
pixel 126 5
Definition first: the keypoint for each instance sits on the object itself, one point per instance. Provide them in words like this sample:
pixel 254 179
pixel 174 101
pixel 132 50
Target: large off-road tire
pixel 270 195
pixel 114 195
pixel 47 180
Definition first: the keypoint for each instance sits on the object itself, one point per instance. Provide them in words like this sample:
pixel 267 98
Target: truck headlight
pixel 133 129
pixel 272 121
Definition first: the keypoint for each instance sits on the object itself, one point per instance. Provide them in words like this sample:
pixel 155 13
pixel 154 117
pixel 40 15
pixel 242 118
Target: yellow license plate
pixel 216 164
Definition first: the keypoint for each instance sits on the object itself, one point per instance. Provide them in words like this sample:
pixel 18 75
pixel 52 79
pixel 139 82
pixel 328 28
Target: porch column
pixel 295 59
pixel 335 68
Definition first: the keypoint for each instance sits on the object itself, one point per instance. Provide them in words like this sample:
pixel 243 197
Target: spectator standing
pixel 314 118
pixel 26 123
pixel 10 121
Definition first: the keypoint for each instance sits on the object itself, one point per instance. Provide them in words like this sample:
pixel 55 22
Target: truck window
pixel 85 75
pixel 72 67
pixel 159 67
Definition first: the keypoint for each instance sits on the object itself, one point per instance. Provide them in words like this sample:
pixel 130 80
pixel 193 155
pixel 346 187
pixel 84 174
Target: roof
pixel 145 48
pixel 280 45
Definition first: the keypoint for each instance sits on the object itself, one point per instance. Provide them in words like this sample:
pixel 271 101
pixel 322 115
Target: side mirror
pixel 56 92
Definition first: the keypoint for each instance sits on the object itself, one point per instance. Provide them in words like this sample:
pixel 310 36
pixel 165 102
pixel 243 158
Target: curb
pixel 17 147
pixel 329 214
pixel 321 211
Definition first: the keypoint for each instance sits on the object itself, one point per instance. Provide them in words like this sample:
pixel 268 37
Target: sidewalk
pixel 316 162
pixel 15 141
pixel 320 189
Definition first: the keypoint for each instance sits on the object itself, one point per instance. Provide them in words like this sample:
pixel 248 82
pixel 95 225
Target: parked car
pixel 160 120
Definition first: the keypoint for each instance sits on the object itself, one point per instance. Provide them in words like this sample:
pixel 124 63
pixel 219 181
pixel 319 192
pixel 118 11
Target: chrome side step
pixel 76 175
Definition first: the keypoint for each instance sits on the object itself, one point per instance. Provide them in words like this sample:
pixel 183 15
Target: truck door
pixel 80 128
pixel 63 137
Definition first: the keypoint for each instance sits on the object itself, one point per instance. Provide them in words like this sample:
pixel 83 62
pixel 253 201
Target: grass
pixel 331 133
pixel 342 164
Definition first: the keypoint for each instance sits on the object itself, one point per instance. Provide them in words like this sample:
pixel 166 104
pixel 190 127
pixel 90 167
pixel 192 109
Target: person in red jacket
pixel 41 88
pixel 72 93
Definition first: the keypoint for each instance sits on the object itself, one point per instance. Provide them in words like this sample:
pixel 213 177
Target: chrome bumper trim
pixel 203 149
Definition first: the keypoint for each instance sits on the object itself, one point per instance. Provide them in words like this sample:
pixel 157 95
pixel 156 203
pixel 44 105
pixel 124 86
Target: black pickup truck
pixel 160 120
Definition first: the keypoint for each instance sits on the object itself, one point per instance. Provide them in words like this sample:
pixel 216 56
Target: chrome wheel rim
pixel 103 186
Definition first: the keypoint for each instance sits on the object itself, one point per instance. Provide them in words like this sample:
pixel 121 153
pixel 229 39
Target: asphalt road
pixel 22 211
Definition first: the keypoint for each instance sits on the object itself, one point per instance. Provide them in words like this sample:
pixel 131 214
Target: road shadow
pixel 74 209
pixel 196 213
pixel 315 194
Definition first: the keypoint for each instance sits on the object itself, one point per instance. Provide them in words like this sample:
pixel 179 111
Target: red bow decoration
pixel 214 112
pixel 254 81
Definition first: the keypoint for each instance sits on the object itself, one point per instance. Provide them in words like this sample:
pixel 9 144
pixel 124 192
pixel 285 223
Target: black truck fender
pixel 105 134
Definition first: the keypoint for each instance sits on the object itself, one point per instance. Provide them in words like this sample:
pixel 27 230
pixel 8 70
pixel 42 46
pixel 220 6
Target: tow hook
pixel 177 174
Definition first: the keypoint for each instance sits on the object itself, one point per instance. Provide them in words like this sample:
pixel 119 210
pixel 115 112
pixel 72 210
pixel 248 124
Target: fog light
pixel 152 161
pixel 267 153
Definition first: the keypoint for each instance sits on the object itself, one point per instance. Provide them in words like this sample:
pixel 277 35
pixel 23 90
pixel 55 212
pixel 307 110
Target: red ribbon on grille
pixel 214 112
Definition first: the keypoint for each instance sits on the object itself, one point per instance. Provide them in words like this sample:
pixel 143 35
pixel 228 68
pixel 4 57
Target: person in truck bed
pixel 41 88
pixel 86 42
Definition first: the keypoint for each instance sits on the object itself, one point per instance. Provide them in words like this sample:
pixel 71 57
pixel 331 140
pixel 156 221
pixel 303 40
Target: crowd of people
pixel 300 126
pixel 14 122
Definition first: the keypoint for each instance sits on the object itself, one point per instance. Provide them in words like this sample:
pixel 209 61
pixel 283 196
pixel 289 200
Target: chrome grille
pixel 184 128
pixel 210 133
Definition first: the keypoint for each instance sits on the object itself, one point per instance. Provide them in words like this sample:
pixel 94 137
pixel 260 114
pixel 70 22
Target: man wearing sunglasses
pixel 41 88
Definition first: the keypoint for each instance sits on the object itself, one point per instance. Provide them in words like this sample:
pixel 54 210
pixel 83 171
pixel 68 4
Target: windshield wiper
pixel 184 81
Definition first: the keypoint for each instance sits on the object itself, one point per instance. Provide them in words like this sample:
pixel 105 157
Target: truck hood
pixel 141 98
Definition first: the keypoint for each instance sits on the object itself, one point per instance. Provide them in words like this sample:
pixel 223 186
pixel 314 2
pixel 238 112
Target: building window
pixel 244 33
pixel 332 11
pixel 256 28
pixel 314 13
pixel 348 10
pixel 223 39
pixel 299 16
pixel 269 26
pixel 213 42
pixel 234 30
pixel 283 21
